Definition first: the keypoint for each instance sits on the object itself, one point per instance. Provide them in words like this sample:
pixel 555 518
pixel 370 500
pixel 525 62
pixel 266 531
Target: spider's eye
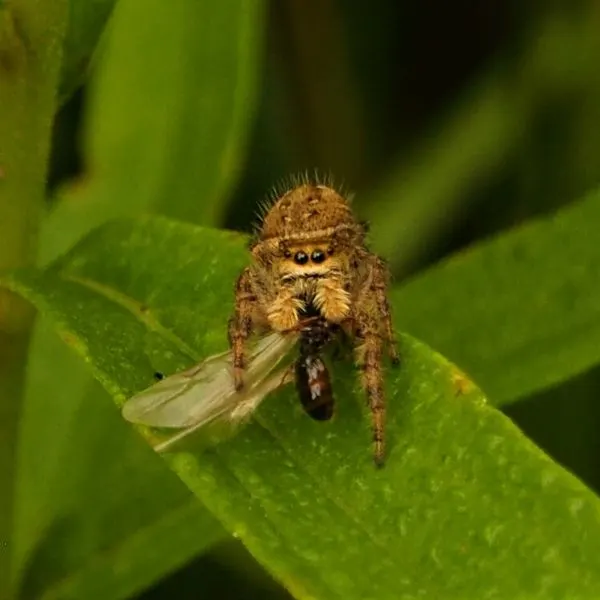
pixel 284 250
pixel 300 258
pixel 318 256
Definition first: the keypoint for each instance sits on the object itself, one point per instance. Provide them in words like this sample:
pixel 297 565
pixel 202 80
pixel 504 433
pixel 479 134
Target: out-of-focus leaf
pixel 172 104
pixel 420 197
pixel 193 57
pixel 31 39
pixel 170 107
pixel 465 507
pixel 96 514
pixel 188 97
pixel 86 24
pixel 520 312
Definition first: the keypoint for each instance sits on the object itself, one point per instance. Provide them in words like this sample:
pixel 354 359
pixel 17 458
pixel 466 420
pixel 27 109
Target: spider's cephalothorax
pixel 310 256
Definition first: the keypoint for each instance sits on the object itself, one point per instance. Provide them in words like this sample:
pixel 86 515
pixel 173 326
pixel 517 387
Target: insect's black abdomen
pixel 313 382
pixel 314 387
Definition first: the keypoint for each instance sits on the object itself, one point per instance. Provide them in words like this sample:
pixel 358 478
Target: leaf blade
pixel 518 312
pixel 466 504
pixel 89 515
pixel 182 159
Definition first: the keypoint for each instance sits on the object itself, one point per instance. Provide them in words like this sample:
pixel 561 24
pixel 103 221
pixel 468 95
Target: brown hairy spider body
pixel 310 257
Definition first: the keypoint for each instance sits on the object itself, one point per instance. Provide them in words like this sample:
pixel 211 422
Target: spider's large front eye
pixel 300 258
pixel 318 256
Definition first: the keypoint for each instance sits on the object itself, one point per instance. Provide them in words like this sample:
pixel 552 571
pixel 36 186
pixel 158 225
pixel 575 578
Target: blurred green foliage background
pixel 449 121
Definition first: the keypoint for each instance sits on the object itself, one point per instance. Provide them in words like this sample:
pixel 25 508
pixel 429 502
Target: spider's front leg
pixel 241 325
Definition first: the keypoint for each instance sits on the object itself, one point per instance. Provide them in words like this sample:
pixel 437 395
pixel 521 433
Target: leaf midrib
pixel 141 311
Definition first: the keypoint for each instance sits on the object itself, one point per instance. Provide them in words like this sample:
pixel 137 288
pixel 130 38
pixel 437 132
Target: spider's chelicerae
pixel 310 257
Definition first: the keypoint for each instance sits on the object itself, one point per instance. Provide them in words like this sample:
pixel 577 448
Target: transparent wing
pixel 233 417
pixel 205 392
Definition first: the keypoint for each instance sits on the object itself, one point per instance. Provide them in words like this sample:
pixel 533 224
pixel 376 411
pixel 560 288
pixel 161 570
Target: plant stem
pixel 31 37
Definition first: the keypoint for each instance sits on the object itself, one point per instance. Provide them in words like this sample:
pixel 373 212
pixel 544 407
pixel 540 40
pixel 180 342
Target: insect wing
pixel 171 402
pixel 206 392
pixel 247 403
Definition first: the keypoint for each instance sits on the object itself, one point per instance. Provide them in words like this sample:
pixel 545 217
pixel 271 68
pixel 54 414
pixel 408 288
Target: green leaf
pixel 172 103
pixel 520 312
pixel 167 123
pixel 92 502
pixel 31 38
pixel 204 85
pixel 466 506
pixel 86 24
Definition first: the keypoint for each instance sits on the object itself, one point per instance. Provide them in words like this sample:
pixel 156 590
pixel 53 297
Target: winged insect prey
pixel 206 392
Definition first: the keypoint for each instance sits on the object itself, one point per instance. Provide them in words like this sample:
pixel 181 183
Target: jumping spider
pixel 310 255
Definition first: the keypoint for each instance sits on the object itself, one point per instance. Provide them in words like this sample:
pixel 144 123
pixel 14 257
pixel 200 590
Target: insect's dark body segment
pixel 313 382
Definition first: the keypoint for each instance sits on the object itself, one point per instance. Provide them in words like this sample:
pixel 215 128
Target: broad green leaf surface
pixel 520 312
pixel 466 506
